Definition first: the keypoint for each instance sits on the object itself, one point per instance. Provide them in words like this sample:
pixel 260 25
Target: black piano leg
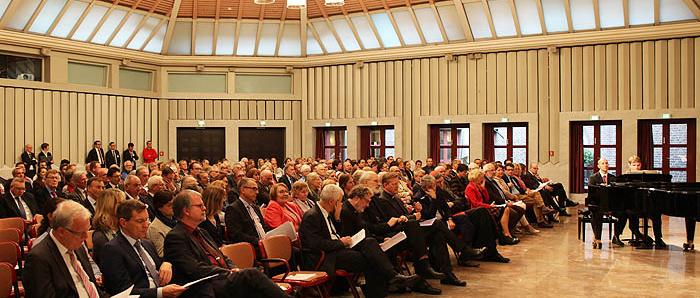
pixel 690 234
pixel 645 230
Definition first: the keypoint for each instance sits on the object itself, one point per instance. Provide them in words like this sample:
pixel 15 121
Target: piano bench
pixel 584 219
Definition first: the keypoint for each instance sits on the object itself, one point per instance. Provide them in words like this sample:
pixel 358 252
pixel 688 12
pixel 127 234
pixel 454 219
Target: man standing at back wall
pixel 149 153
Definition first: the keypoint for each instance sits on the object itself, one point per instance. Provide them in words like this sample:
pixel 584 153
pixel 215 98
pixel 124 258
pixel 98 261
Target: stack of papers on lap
pixel 357 238
pixel 286 229
pixel 386 245
pixel 125 293
pixel 541 186
pixel 301 276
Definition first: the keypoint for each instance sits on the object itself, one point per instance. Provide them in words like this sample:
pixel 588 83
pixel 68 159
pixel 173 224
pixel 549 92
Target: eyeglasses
pixel 77 234
pixel 200 206
pixel 253 188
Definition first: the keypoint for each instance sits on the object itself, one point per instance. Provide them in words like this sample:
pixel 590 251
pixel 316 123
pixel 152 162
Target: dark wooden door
pixel 261 143
pixel 206 143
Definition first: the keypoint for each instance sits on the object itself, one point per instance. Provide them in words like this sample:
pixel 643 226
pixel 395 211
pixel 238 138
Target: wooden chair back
pixel 242 254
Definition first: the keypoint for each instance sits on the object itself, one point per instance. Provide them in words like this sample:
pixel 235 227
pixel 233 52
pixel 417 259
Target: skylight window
pixel 674 10
pixel 611 14
pixel 145 32
pixel 406 27
pixel 478 20
pixel 109 26
pixel 246 40
pixel 555 15
pixel 528 17
pixel 326 36
pixel 22 14
pixel 502 18
pixel 345 33
pixel 451 23
pixel 181 40
pixel 268 39
pixel 155 45
pixel 369 40
pixel 127 30
pixel 386 30
pixel 69 19
pixel 290 43
pixel 204 41
pixel 582 15
pixel 88 25
pixel 225 39
pixel 47 16
pixel 428 24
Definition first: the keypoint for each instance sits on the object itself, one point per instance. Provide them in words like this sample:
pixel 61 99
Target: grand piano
pixel 647 193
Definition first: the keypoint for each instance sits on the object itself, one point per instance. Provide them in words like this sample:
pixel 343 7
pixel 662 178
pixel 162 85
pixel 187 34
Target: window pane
pixel 386 30
pixel 268 39
pixel 610 154
pixel 555 15
pixel 500 154
pixel 582 16
pixel 588 156
pixel 641 12
pixel 586 175
pixel 520 155
pixel 22 14
pixel 3 5
pixel 611 13
pixel 657 134
pixel 345 33
pixel 290 43
pixel 679 176
pixel 614 172
pixel 344 153
pixel 658 158
pixel 343 137
pixel 156 43
pixel 47 16
pixel 678 134
pixel 329 138
pixel 478 20
pixel 181 41
pixel 463 155
pixel 674 10
pixel 450 20
pixel 145 31
pixel 87 74
pixel 502 17
pixel 608 134
pixel 135 79
pixel 588 135
pixel 445 136
pixel 246 39
pixel 326 36
pixel 88 25
pixel 67 22
pixel 389 137
pixel 678 157
pixel 428 24
pixel 445 155
pixel 500 136
pixel 329 153
pixel 375 137
pixel 369 40
pixel 109 26
pixel 406 27
pixel 197 82
pixel 312 45
pixel 519 136
pixel 528 17
pixel 389 152
pixel 376 152
pixel 462 136
pixel 204 41
pixel 126 30
pixel 225 37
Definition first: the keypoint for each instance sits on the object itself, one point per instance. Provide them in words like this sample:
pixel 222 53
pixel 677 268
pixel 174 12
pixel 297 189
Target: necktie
pixel 256 220
pixel 605 179
pixel 21 208
pixel 89 287
pixel 333 231
pixel 150 267
pixel 215 255
pixel 53 194
pixel 99 156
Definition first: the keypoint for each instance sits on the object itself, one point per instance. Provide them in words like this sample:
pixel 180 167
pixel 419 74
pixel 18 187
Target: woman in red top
pixel 478 197
pixel 280 208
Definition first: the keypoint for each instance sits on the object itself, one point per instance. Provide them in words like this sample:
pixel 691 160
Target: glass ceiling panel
pixel 386 30
pixel 528 17
pixel 290 43
pixel 109 26
pixel 478 20
pixel 406 27
pixel 224 41
pixel 641 12
pixel 582 15
pixel 181 40
pixel 268 39
pixel 88 25
pixel 246 39
pixel 502 18
pixel 22 15
pixel 145 32
pixel 47 16
pixel 127 30
pixel 450 20
pixel 674 10
pixel 369 40
pixel 611 14
pixel 428 24
pixel 204 39
pixel 69 19
pixel 326 36
pixel 312 46
pixel 555 15
pixel 155 45
pixel 345 33
pixel 3 6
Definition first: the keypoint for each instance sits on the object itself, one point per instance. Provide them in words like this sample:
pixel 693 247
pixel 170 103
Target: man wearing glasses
pixel 59 267
pixel 243 218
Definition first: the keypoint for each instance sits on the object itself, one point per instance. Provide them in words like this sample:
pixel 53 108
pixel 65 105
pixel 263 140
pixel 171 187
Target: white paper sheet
pixel 286 229
pixel 357 238
pixel 541 186
pixel 125 293
pixel 300 276
pixel 189 284
pixel 386 245
pixel 427 223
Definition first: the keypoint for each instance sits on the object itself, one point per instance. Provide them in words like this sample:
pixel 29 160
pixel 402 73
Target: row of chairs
pixel 13 249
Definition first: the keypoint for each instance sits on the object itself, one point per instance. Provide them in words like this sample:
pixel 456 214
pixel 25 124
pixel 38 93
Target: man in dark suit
pixel 50 189
pixel 57 266
pixel 29 161
pixel 46 156
pixel 19 172
pixel 77 187
pixel 194 255
pixel 267 179
pixel 550 192
pixel 96 154
pixel 114 179
pixel 155 184
pixel 131 259
pixel 19 203
pixel 318 230
pixel 244 221
pixel 603 178
pixel 512 212
pixel 288 177
pixel 130 154
pixel 429 166
pixel 95 186
pixel 113 157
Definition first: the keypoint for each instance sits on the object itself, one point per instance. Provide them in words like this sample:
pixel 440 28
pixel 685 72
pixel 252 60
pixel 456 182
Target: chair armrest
pixel 268 261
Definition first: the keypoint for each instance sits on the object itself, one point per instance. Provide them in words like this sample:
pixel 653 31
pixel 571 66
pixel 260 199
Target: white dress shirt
pixel 79 287
pixel 151 283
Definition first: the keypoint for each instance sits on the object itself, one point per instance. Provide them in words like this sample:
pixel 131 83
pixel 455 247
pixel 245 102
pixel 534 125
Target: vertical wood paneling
pixel 19 123
pixel 512 83
pixel 697 73
pixel 252 110
pixel 134 107
pixel 433 100
pixel 687 73
pixel 623 76
pixel 577 79
pixel 39 117
pixel 349 91
pixel 89 125
pixel 424 87
pixel 674 74
pixel 65 125
pixel 163 128
pixel 318 88
pixel 472 90
pixel 217 107
pixel 236 110
pixel 56 121
pixel 226 109
pixel 443 85
pixel 208 109
pixel 29 118
pixel 599 78
pixel 198 109
pixel 244 107
pixel 589 78
pixel 462 82
pixel 611 77
pixel 3 148
pixel 81 126
pixel 270 110
pixel 481 85
pixel 141 125
pixel 453 83
pixel 565 68
pixel 390 92
pixel 532 87
pixel 112 119
pixel 326 107
pixel 47 118
pixel 279 110
pixel 491 85
pixel 522 82
pixel 543 100
pixel 554 105
pixel 648 74
pixel 356 92
pixel 340 83
pixel 381 89
pixel 408 107
pixel 120 123
pixel 372 83
pixel 636 76
pixel 365 88
pixel 10 127
pixel 501 83
pixel 398 99
pixel 287 111
pixel 661 77
pixel 311 95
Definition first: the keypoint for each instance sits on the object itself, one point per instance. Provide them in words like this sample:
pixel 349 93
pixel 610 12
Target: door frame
pixel 575 160
pixel 231 127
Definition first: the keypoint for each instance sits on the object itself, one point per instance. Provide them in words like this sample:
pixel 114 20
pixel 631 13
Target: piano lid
pixel 644 176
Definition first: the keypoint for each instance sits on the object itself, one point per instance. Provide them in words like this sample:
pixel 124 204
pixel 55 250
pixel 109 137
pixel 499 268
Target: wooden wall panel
pixel 611 83
pixel 565 67
pixel 648 74
pixel 433 100
pixel 424 95
pixel 511 83
pixel 397 90
pixel 326 106
pixel 39 118
pixel 523 92
pixel 532 80
pixel 661 74
pixel 381 89
pixel 501 83
pixel 453 83
pixel 623 76
pixel 462 82
pixel 589 78
pixel 443 85
pixel 577 79
pixel 636 76
pixel 491 83
pixel 481 85
pixel 543 101
pixel 340 83
pixel 3 148
pixel 472 90
pixel 687 73
pixel 9 130
pixel 674 74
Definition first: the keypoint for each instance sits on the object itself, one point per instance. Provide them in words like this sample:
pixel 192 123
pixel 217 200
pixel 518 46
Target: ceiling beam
pixel 694 8
pixel 516 20
pixel 237 35
pixel 596 13
pixel 657 13
pixel 153 33
pixel 317 38
pixel 626 12
pixel 540 12
pixel 58 17
pixel 489 17
pixel 569 22
pixel 34 16
pixel 80 20
pixel 414 19
pixel 9 11
pixel 261 17
pixel 393 22
pixel 436 13
pixel 464 21
pixel 371 23
pixel 352 27
pixel 303 21
pixel 280 30
pixel 171 26
pixel 330 26
pixel 216 27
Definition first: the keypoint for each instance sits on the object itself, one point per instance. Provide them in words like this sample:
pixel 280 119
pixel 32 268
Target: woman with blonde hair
pixel 300 192
pixel 105 220
pixel 214 198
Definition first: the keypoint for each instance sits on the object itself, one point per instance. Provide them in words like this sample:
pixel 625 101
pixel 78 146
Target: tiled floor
pixel 555 263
